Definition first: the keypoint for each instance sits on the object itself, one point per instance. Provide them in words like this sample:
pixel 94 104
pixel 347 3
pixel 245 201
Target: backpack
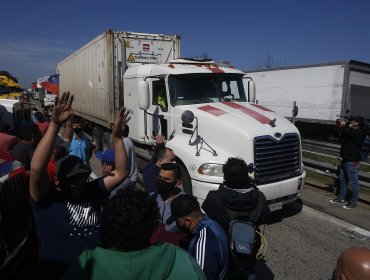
pixel 244 236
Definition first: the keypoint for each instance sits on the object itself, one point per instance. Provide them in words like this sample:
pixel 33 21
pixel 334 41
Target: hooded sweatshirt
pixel 234 200
pixel 164 261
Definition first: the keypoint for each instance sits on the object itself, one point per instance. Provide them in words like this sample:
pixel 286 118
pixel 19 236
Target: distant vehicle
pixel 45 97
pixel 13 112
pixel 205 110
pixel 9 89
pixel 322 92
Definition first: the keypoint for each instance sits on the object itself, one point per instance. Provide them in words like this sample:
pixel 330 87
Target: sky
pixel 37 35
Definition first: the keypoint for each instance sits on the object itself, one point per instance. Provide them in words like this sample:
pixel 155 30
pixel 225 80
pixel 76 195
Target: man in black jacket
pixel 350 152
pixel 237 197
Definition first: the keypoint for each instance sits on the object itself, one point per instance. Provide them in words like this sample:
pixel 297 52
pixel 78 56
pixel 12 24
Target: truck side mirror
pixel 187 117
pixel 250 87
pixel 143 95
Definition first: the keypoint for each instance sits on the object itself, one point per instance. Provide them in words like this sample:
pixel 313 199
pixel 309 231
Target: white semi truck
pixel 206 111
pixel 322 92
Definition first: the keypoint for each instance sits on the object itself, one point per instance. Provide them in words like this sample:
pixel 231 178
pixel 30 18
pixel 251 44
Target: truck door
pixel 159 108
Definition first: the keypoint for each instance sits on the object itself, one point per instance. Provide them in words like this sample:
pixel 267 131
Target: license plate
pixel 275 206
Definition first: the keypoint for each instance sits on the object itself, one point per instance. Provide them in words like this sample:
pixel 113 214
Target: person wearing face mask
pixel 80 143
pixel 208 244
pixel 68 217
pixel 161 155
pixel 350 152
pixel 168 187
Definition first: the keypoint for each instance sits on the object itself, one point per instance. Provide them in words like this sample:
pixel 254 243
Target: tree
pixel 268 62
pixel 8 75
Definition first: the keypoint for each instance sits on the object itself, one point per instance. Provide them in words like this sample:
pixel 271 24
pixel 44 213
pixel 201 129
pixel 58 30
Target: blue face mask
pixel 350 125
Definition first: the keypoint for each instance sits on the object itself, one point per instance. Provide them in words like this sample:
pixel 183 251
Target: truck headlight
pixel 211 169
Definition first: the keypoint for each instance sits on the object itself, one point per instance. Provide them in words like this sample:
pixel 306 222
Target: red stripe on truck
pixel 262 108
pixel 214 69
pixel 259 117
pixel 212 110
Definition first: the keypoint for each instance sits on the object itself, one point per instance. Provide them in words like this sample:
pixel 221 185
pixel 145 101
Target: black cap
pixel 181 206
pixel 70 166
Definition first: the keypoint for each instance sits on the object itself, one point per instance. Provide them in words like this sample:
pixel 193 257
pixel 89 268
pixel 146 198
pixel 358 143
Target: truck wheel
pixel 186 180
pixel 106 141
pixel 97 136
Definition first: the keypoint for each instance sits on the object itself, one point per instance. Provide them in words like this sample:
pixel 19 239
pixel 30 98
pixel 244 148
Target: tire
pixel 186 180
pixel 97 136
pixel 106 142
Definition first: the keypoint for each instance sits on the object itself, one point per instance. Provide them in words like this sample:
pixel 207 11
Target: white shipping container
pixel 94 73
pixel 322 92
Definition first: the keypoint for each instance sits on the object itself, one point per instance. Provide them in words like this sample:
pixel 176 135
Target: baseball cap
pixel 107 156
pixel 70 166
pixel 181 206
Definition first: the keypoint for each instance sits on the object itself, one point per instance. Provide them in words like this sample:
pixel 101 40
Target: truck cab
pixel 207 114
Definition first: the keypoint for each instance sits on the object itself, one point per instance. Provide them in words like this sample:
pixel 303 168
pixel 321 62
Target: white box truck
pixel 202 108
pixel 322 92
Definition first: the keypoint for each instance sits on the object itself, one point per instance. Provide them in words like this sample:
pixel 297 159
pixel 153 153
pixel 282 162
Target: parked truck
pixel 206 111
pixel 322 92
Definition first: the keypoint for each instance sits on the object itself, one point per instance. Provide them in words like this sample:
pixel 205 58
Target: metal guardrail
pixel 330 170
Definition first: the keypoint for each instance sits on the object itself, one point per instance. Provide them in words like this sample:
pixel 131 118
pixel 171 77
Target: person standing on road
pixel 208 244
pixel 23 150
pixel 41 122
pixel 151 170
pixel 237 198
pixel 80 144
pixel 352 138
pixel 7 139
pixel 68 220
pixel 168 187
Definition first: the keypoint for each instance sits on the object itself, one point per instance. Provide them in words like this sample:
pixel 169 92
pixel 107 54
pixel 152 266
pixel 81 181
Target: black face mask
pixel 164 188
pixel 75 194
pixel 183 228
pixel 77 130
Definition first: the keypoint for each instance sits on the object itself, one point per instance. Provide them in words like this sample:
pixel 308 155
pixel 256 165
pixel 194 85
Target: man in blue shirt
pixel 80 143
pixel 208 244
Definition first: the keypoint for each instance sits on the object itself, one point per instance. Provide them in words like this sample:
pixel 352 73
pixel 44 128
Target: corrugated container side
pixel 88 75
pixel 318 91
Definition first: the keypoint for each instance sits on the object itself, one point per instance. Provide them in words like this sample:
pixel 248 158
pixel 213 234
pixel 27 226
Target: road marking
pixel 348 226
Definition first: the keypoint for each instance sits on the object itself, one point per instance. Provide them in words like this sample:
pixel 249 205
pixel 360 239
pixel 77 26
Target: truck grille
pixel 276 160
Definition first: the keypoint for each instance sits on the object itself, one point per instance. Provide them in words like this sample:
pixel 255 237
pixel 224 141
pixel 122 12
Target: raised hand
pixel 120 122
pixel 62 110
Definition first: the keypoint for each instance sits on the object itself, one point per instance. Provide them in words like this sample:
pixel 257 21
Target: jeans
pixel 349 172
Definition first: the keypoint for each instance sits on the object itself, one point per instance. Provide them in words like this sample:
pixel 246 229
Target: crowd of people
pixel 108 228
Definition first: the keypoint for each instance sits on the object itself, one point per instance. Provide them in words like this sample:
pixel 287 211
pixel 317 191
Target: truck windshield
pixel 205 88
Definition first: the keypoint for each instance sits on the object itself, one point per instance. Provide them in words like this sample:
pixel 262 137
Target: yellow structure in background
pixel 9 89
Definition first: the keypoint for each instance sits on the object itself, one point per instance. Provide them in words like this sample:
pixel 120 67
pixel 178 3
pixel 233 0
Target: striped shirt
pixel 209 246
